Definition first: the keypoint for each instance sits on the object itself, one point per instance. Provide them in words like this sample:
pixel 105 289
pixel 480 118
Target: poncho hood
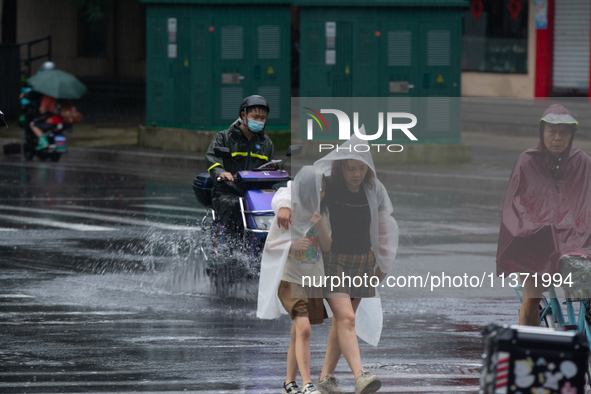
pixel 555 114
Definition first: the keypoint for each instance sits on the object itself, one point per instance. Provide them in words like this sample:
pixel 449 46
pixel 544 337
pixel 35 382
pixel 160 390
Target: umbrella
pixel 2 121
pixel 57 84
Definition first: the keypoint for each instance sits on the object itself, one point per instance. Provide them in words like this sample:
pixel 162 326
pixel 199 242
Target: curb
pixel 123 156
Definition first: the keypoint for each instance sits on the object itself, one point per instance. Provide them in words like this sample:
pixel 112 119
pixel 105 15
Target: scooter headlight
pixel 263 222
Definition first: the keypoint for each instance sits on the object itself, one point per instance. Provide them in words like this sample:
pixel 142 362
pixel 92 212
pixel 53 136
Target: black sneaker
pixel 291 388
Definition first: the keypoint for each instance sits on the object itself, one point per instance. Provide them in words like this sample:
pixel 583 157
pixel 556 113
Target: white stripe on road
pixel 5 314
pixel 197 383
pixel 170 207
pixel 55 223
pixel 125 212
pixel 8 229
pixel 15 296
pixel 105 218
pixel 69 323
pixel 56 199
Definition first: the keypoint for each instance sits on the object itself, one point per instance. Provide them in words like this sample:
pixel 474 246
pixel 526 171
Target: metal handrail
pixel 30 59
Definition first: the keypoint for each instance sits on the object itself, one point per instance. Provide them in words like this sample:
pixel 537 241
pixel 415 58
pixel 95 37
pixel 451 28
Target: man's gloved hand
pixel 227 175
pixel 270 166
pixel 284 218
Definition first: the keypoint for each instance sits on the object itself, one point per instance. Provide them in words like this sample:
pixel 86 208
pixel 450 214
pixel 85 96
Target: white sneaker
pixel 310 389
pixel 291 388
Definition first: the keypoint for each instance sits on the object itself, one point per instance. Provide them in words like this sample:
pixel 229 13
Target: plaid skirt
pixel 353 266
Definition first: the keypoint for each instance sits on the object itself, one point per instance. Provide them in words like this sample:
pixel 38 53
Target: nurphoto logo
pixel 345 128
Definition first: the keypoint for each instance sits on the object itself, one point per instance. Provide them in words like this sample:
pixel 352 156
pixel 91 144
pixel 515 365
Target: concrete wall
pixel 482 84
pixel 125 60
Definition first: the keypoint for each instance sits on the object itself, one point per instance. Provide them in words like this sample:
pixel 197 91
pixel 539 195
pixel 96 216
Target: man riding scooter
pixel 250 148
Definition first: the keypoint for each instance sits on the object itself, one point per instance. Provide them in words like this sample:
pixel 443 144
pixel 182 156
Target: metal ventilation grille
pixel 399 48
pixel 438 47
pixel 313 46
pixel 158 44
pixel 399 104
pixel 157 100
pixel 199 105
pixel 200 41
pixel 231 100
pixel 438 120
pixel 269 39
pixel 364 46
pixel 232 42
pixel 273 96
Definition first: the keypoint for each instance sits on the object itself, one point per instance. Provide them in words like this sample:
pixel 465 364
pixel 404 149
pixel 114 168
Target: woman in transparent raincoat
pixel 364 222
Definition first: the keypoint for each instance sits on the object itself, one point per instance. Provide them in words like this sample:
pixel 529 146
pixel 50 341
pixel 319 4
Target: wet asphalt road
pixel 101 290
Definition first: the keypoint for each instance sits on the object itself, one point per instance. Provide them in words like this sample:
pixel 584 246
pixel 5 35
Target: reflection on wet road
pixel 102 289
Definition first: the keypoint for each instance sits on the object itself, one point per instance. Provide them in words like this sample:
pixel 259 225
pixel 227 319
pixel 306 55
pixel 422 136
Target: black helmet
pixel 253 101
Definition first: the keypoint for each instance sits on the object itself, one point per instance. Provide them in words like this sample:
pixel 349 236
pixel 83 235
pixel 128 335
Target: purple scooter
pixel 260 186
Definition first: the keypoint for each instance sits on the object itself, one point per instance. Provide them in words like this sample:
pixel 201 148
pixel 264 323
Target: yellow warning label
pixel 347 70
pixel 186 62
pixel 270 70
pixel 440 79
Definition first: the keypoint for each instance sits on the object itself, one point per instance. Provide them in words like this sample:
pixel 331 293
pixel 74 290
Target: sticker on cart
pixel 552 379
pixel 568 389
pixel 502 377
pixel 523 373
pixel 568 368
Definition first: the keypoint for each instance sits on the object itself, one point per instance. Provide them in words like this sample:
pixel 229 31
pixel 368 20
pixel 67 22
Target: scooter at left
pixel 56 138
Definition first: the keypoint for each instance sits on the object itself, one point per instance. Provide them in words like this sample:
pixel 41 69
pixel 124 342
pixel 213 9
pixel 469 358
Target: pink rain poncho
pixel 547 209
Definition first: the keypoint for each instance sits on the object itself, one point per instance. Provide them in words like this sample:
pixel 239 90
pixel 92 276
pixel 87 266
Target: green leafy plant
pixel 93 10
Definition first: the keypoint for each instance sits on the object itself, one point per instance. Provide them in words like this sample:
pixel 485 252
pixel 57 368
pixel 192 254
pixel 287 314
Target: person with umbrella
pixel 54 85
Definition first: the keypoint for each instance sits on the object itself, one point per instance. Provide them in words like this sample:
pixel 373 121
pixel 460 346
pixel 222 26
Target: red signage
pixel 514 8
pixel 476 7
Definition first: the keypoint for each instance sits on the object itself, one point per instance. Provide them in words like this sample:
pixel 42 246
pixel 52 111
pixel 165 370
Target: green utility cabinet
pixel 391 50
pixel 203 57
pixel 399 49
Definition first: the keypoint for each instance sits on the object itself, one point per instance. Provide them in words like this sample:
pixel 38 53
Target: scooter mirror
pixel 294 150
pixel 222 152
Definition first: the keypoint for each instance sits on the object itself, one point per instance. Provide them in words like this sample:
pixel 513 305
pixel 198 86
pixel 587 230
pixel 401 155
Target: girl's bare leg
pixel 36 130
pixel 292 363
pixel 303 333
pixel 333 350
pixel 344 314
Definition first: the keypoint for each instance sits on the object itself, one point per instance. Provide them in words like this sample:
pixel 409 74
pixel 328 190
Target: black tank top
pixel 350 218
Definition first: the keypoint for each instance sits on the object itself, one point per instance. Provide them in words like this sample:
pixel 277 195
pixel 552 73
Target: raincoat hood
pixel 547 209
pixel 555 114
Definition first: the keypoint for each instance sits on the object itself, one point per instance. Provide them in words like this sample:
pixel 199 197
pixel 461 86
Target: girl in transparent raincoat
pixel 291 271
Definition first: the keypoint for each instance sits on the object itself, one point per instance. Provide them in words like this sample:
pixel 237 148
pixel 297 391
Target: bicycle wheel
pixel 546 320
